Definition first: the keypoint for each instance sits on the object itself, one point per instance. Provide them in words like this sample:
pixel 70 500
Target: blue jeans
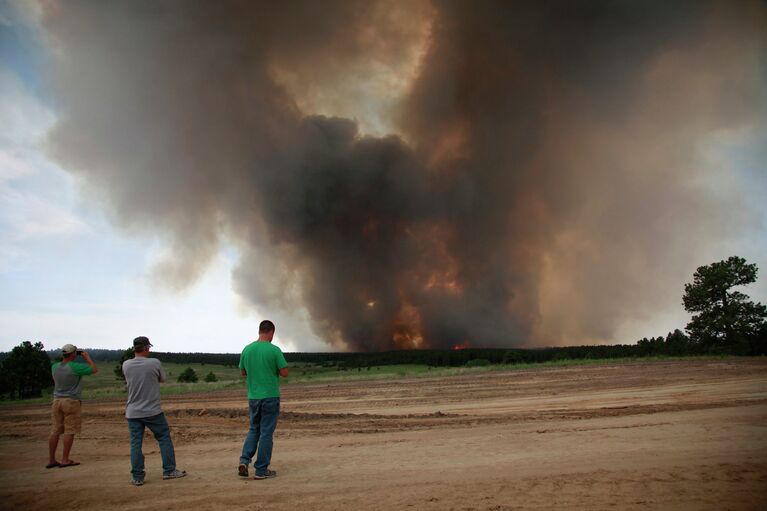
pixel 158 425
pixel 263 421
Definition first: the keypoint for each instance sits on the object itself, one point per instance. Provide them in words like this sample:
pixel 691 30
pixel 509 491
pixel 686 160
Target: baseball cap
pixel 68 348
pixel 141 342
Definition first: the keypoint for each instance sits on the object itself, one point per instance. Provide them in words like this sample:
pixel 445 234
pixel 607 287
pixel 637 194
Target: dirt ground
pixel 646 435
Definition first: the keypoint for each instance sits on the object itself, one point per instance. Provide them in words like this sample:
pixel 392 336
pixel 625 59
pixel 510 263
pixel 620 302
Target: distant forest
pixel 674 344
pixel 724 322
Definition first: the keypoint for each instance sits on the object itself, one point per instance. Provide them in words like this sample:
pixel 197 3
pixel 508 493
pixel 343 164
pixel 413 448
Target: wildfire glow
pixel 442 275
pixel 407 328
pixel 445 281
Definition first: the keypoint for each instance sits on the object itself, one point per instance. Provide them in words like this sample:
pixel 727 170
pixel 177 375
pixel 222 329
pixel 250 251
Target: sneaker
pixel 242 470
pixel 137 482
pixel 175 474
pixel 269 473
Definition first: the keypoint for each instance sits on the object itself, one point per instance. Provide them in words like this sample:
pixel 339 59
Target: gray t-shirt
pixel 67 379
pixel 143 377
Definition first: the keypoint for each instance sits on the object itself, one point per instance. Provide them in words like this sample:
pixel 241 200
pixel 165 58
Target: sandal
pixel 53 465
pixel 70 464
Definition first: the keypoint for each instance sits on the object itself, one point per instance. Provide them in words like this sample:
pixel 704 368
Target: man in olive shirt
pixel 262 363
pixel 67 378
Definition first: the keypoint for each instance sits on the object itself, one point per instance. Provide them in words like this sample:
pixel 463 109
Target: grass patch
pixel 105 385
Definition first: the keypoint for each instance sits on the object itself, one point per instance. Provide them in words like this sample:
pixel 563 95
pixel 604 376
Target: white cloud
pixel 205 319
pixel 36 198
pixel 25 119
pixel 26 217
pixel 14 166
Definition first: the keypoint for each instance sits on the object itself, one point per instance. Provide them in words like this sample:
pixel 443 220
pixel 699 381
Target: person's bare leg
pixel 68 440
pixel 53 443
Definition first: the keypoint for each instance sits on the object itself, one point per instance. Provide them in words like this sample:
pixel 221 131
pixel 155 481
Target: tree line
pixel 724 322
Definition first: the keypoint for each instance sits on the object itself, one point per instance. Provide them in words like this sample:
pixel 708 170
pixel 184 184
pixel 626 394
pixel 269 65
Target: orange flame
pixel 461 346
pixel 442 272
pixel 407 328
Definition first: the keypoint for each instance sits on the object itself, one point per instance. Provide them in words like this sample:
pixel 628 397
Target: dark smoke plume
pixel 544 166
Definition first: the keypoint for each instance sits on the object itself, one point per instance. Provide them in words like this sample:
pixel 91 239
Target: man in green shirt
pixel 67 378
pixel 262 363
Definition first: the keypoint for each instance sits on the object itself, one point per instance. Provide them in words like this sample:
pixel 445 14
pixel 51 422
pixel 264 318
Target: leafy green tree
pixel 758 343
pixel 651 346
pixel 26 371
pixel 677 343
pixel 125 355
pixel 210 377
pixel 187 376
pixel 723 320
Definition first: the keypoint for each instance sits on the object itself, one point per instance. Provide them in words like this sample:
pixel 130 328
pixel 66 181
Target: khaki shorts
pixel 66 416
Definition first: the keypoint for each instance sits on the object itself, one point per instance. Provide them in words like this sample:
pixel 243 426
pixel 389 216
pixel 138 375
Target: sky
pixel 378 175
pixel 68 276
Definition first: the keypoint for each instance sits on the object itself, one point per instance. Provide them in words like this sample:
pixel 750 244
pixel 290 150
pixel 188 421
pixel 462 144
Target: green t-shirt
pixel 262 361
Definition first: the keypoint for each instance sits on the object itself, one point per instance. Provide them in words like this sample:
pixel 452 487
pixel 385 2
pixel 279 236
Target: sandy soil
pixel 660 435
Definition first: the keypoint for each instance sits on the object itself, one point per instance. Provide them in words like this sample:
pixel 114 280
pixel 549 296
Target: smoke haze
pixel 401 174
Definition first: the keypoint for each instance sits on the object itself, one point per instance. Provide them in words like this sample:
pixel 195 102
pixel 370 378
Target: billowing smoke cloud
pixel 544 177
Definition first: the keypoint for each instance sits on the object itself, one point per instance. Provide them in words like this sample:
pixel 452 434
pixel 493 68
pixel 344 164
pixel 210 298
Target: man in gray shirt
pixel 65 410
pixel 143 376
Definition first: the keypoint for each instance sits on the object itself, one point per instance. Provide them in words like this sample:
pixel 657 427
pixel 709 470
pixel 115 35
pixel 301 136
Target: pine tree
pixel 723 320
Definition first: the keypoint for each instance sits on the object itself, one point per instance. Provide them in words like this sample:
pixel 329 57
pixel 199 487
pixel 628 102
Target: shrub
pixel 125 355
pixel 210 377
pixel 187 376
pixel 478 362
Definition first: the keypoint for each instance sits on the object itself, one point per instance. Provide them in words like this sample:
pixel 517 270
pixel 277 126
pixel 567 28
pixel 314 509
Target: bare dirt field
pixel 645 435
